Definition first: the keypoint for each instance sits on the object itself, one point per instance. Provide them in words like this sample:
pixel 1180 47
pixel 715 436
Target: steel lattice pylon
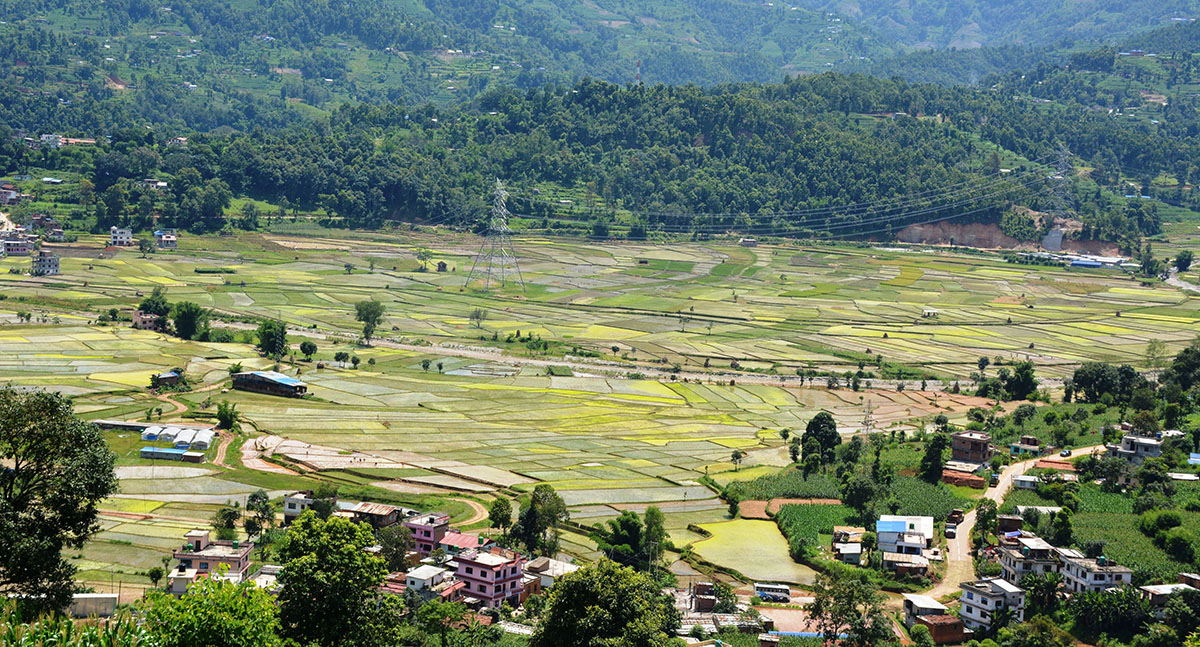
pixel 496 260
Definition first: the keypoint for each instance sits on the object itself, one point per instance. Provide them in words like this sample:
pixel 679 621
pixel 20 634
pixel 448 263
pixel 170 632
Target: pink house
pixel 428 530
pixel 492 577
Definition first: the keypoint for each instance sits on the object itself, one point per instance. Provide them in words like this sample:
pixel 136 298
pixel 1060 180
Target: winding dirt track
pixel 481 512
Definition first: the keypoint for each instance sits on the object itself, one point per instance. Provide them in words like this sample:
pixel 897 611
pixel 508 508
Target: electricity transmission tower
pixel 496 260
pixel 1060 196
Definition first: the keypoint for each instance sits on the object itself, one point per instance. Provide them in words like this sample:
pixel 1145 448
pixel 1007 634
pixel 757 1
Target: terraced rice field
pixel 486 416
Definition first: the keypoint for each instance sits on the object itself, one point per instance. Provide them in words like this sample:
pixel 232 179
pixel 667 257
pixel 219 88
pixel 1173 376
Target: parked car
pixel 956 516
pixel 1066 453
pixel 995 480
pixel 951 530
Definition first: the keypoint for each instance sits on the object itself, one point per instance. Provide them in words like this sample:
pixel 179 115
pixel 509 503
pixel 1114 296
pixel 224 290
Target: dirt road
pixel 959 565
pixel 1174 281
pixel 481 512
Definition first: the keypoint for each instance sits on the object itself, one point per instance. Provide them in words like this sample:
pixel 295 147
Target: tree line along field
pixel 484 420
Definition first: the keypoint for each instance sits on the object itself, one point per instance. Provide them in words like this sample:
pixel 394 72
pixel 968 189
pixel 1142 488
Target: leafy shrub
pixel 1151 523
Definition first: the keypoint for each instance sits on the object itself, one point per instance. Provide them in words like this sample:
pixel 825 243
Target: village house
pixel 166 239
pixel 428 530
pixel 146 321
pixel 16 247
pixel 549 570
pixel 1027 446
pixel 56 235
pixel 971 447
pixel 154 183
pixel 120 237
pixel 201 556
pixel 904 535
pixel 455 542
pixel 921 605
pixel 45 263
pixel 294 505
pixel 1026 482
pixel 425 579
pixel 1082 574
pixel 491 578
pixel 1157 595
pixel 1030 555
pixel 1136 449
pixel 904 564
pixel 270 383
pixel 981 599
pixel 377 515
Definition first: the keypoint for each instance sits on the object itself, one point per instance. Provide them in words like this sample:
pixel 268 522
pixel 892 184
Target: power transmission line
pixel 496 259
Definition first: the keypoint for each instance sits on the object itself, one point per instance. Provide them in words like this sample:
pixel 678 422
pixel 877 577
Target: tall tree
pixel 395 543
pixel 370 313
pixel 190 319
pixel 849 613
pixel 272 338
pixel 934 459
pixel 822 428
pixel 156 303
pixel 329 581
pixel 537 526
pixel 56 469
pixel 605 604
pixel 500 514
pixel 309 348
pixel 654 535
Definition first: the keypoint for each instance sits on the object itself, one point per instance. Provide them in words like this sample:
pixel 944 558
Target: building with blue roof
pixel 271 383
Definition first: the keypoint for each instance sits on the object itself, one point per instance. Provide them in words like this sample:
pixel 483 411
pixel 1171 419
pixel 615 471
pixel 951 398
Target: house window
pixel 291 506
pixel 970 596
pixel 204 566
pixel 482 589
pixel 470 571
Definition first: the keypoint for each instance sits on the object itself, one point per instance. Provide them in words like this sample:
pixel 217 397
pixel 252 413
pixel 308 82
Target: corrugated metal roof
pixel 276 376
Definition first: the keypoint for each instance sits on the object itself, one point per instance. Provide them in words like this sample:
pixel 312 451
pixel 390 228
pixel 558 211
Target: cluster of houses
pixel 123 237
pixel 984 601
pixel 905 542
pixel 21 241
pixel 449 565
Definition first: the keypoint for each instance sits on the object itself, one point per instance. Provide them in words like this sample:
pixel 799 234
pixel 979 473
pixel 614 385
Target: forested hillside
pixel 279 103
pixel 798 158
pixel 965 24
pixel 322 52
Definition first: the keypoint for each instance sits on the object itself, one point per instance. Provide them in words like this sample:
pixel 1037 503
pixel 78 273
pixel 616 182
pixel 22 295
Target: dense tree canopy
pixel 57 468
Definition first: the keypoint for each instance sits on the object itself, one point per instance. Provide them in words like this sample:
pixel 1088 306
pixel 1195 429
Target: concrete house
pixel 166 239
pixel 981 599
pixel 1136 449
pixel 549 570
pixel 120 237
pixel 425 579
pixel 428 530
pixel 1030 555
pixel 971 447
pixel 295 504
pixel 1082 574
pixel 45 263
pixel 491 578
pixel 201 556
pixel 913 534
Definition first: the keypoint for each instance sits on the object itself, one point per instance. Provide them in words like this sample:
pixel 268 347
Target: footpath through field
pixel 959 565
